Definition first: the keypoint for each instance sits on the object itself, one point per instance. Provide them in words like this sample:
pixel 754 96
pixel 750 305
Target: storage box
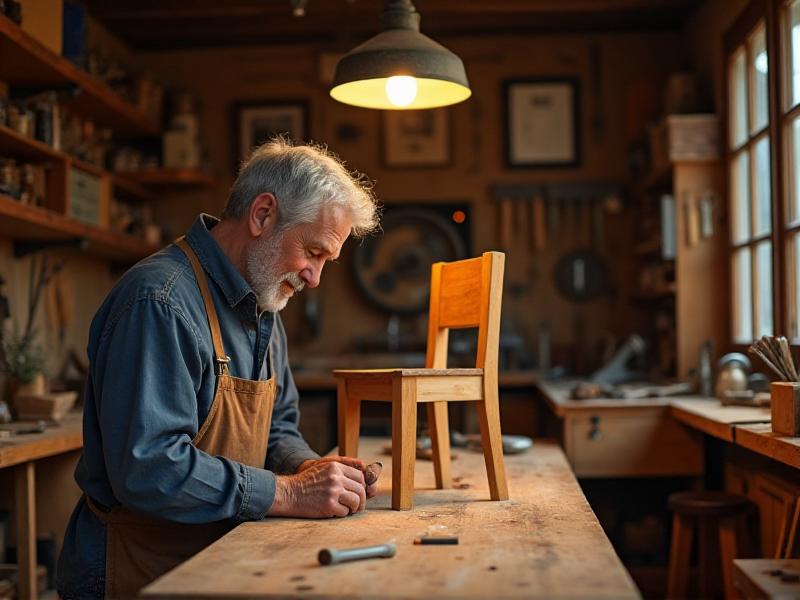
pixel 88 197
pixel 679 138
pixel 43 19
pixel 181 150
pixel 785 401
pixel 51 407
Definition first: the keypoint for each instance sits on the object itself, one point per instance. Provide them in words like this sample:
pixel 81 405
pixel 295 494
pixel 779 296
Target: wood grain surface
pixel 711 417
pixel 544 542
pixel 58 438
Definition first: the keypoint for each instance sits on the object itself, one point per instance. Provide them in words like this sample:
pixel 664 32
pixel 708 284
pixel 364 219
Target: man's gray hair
pixel 304 179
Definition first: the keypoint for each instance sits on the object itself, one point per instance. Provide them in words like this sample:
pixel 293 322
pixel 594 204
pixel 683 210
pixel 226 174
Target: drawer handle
pixel 594 432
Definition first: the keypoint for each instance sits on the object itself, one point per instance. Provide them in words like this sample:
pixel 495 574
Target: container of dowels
pixel 775 353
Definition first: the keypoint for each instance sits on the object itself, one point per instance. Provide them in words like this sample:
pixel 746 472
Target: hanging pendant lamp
pixel 400 68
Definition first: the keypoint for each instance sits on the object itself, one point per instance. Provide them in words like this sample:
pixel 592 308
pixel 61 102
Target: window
pixel 749 173
pixel 790 132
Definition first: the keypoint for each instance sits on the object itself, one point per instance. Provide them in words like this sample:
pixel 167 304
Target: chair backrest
pixel 465 294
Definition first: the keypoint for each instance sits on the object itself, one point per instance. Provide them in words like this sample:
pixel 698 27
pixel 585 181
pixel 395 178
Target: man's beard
pixel 267 284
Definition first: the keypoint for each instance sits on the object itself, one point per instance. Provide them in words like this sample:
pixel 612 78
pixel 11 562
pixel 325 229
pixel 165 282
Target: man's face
pixel 282 264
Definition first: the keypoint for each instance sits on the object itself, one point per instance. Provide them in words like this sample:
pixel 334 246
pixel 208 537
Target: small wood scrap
pixel 458 484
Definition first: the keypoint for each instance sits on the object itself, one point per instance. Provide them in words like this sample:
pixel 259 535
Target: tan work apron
pixel 140 548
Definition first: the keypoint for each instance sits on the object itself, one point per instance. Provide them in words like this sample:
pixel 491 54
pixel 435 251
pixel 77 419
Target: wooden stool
pixel 464 294
pixel 721 510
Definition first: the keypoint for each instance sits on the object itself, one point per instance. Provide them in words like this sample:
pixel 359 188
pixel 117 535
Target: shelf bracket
pixel 25 247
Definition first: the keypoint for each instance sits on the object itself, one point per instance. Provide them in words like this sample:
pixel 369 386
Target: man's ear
pixel 263 214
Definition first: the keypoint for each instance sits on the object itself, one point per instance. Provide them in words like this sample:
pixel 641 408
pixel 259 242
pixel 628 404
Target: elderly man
pixel 190 419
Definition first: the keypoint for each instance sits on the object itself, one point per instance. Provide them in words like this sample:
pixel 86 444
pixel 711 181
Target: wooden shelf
pixel 18 146
pixel 127 188
pixel 27 63
pixel 23 222
pixel 174 179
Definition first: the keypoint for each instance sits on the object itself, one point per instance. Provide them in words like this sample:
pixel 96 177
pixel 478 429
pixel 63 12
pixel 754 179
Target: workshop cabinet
pixel 631 443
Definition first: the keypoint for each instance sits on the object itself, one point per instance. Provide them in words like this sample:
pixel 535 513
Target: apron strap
pixel 220 357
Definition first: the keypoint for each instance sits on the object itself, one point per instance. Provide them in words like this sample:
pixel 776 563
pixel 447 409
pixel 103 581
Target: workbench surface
pixel 711 417
pixel 543 543
pixel 61 437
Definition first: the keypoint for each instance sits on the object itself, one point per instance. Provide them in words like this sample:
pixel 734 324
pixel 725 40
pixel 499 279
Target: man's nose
pixel 311 276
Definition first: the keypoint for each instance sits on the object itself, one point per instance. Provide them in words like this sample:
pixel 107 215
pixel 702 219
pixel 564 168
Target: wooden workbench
pixel 757 579
pixel 760 438
pixel 710 416
pixel 21 452
pixel 612 437
pixel 545 542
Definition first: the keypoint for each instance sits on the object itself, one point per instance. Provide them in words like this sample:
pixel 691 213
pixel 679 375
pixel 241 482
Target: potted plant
pixel 23 362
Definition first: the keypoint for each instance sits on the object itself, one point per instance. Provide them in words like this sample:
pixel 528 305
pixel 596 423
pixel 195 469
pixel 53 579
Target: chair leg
pixel 728 551
pixel 680 552
pixel 404 441
pixel 440 441
pixel 349 420
pixel 489 420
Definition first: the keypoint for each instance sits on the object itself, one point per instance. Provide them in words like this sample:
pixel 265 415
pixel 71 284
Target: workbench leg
pixel 679 554
pixel 489 419
pixel 25 505
pixel 404 441
pixel 349 420
pixel 440 443
pixel 728 551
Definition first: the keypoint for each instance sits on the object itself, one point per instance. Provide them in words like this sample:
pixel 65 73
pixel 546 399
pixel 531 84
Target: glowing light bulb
pixel 401 90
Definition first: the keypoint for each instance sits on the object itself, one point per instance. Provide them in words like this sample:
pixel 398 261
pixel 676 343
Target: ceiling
pixel 162 24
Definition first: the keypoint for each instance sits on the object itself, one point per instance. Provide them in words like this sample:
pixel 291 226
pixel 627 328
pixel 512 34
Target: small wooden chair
pixel 464 294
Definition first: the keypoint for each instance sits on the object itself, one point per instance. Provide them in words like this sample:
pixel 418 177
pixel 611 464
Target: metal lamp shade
pixel 361 74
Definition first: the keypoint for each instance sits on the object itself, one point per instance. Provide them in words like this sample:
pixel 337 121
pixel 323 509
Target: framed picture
pixel 255 122
pixel 542 123
pixel 416 138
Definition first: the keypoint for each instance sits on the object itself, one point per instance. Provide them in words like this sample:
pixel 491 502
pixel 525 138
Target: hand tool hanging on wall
pixel 538 229
pixel 691 220
pixel 506 222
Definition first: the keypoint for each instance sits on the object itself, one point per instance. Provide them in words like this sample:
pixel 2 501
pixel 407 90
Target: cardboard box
pixel 44 20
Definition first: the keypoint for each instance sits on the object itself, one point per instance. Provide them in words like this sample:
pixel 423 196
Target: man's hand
pixel 325 488
pixel 356 463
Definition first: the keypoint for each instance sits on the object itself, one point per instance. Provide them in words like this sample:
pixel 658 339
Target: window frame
pixel 735 38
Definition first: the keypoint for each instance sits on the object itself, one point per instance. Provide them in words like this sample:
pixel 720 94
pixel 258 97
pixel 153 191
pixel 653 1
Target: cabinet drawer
pixel 605 444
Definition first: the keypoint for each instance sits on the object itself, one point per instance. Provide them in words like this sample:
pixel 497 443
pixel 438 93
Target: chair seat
pixel 708 504
pixel 406 372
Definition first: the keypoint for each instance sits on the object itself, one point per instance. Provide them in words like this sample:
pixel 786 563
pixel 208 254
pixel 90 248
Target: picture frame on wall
pixel 542 125
pixel 416 138
pixel 255 122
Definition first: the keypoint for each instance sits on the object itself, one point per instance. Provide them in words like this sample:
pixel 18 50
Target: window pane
pixel 738 99
pixel 794 50
pixel 794 174
pixel 793 285
pixel 758 76
pixel 763 291
pixel 740 198
pixel 742 300
pixel 763 212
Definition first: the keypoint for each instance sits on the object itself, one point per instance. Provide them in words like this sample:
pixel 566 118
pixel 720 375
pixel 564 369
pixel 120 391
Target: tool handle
pixel 332 556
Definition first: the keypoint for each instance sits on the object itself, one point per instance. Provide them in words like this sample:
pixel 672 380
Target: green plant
pixel 23 359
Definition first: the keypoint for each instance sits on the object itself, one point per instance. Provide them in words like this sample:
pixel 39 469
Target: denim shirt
pixel 151 384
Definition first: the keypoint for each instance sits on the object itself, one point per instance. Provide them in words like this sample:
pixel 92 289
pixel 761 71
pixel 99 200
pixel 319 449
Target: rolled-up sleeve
pixel 146 376
pixel 286 449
